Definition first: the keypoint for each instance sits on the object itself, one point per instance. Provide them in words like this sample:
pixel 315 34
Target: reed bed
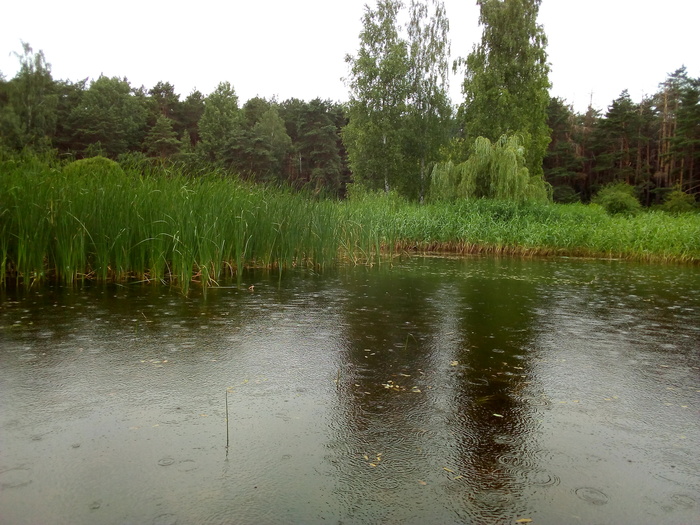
pixel 70 225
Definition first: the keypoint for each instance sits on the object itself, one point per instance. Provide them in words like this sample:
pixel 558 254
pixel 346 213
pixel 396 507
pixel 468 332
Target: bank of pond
pixel 98 221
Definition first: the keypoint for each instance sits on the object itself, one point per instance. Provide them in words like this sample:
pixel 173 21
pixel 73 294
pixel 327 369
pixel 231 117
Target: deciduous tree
pixel 378 85
pixel 428 105
pixel 110 118
pixel 221 126
pixel 507 79
pixel 29 118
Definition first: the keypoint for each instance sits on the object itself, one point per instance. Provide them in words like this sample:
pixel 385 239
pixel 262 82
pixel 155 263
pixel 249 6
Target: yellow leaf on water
pixel 454 363
pixel 498 415
pixel 447 469
pixel 372 465
pixel 523 520
pixel 458 477
pixel 421 482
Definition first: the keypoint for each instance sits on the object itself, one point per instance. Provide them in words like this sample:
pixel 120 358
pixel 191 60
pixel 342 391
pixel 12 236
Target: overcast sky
pixel 287 48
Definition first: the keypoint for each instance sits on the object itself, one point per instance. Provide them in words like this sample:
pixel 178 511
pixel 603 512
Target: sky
pixel 285 49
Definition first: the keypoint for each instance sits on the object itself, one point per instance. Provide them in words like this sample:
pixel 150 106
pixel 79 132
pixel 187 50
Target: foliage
pixel 93 167
pixel 493 171
pixel 678 201
pixel 220 126
pixel 429 112
pixel 95 220
pixel 399 126
pixel 399 112
pixel 28 114
pixel 270 144
pixel 506 81
pixel 162 140
pixel 378 91
pixel 188 114
pixel 563 163
pixel 316 157
pixel 618 198
pixel 565 194
pixel 111 115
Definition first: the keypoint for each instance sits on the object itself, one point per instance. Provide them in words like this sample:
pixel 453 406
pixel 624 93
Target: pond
pixel 429 390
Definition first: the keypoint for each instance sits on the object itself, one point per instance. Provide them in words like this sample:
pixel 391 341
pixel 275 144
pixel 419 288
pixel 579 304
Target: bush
pixel 618 199
pixel 95 166
pixel 565 195
pixel 679 201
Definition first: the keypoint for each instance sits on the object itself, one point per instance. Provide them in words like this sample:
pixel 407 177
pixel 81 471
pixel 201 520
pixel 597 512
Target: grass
pixel 69 225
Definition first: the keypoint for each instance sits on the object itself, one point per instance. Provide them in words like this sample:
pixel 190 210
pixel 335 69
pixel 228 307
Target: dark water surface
pixel 438 390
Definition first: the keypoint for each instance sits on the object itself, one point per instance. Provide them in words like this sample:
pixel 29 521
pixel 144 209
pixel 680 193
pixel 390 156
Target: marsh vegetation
pixel 92 219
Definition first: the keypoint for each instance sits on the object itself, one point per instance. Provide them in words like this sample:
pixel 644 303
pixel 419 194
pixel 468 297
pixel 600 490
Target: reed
pixel 118 225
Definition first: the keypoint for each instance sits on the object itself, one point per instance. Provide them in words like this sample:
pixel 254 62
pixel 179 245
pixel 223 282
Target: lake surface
pixel 431 390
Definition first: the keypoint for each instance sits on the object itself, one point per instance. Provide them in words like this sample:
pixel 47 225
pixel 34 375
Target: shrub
pixel 565 194
pixel 679 201
pixel 618 199
pixel 93 166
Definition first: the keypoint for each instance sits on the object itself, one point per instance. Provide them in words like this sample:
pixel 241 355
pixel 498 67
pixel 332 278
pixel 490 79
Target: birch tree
pixel 506 80
pixel 378 85
pixel 429 110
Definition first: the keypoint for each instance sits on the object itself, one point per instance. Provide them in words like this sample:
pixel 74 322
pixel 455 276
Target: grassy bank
pixel 99 222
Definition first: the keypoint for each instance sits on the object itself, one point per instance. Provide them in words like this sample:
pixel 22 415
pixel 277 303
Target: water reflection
pixel 435 391
pixel 497 322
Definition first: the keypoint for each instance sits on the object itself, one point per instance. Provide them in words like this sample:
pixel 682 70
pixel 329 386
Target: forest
pixel 398 135
pixel 397 89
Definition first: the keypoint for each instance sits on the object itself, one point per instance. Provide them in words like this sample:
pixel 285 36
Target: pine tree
pixel 162 140
pixel 562 164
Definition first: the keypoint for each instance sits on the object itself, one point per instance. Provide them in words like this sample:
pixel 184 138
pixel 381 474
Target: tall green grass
pixel 101 222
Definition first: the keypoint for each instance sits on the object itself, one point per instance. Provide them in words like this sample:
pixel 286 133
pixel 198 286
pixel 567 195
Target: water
pixel 435 390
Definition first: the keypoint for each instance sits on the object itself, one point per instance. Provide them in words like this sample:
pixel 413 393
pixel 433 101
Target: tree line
pixel 653 145
pixel 293 141
pixel 399 131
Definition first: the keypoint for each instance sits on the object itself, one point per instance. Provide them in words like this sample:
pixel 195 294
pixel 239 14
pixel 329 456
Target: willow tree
pixel 507 79
pixel 493 170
